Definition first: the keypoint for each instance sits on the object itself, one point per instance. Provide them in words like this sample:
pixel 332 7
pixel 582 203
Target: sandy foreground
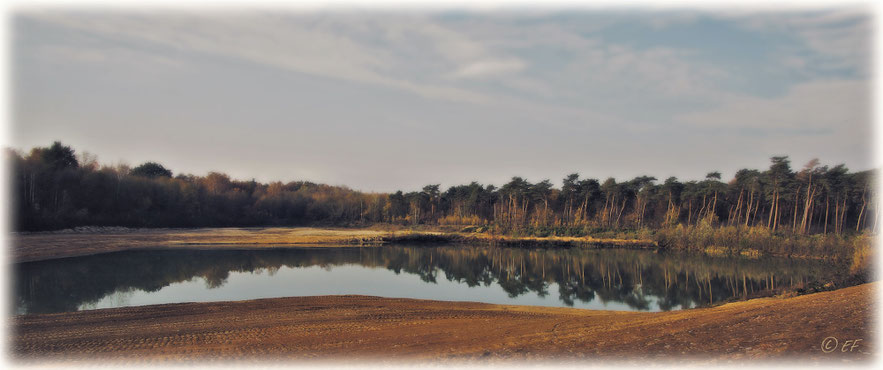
pixel 349 328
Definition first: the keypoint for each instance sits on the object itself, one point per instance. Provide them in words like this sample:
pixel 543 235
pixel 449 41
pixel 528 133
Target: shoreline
pixel 389 329
pixel 48 245
pixel 41 246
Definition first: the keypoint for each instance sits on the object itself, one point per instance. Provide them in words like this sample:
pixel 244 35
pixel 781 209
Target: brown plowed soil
pixel 384 329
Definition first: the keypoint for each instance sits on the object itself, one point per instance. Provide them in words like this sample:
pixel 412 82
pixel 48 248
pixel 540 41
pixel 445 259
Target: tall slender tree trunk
pixel 735 212
pixel 756 206
pixel 827 205
pixel 713 211
pixel 777 218
pixel 569 215
pixel 876 215
pixel 794 210
pixel 690 213
pixel 701 210
pixel 620 213
pixel 585 209
pixel 858 223
pixel 604 216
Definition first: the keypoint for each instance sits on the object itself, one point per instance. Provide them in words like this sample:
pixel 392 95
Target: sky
pixel 385 99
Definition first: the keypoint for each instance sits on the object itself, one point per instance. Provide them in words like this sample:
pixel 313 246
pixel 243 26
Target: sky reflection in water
pixel 610 279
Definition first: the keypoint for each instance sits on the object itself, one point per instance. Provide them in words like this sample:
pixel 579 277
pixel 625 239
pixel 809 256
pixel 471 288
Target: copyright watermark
pixel 831 344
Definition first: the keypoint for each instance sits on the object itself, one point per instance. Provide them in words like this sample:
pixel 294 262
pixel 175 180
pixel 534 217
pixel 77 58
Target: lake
pixel 601 279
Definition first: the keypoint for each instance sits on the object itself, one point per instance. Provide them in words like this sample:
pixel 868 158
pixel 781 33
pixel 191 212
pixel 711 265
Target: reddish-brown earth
pixel 384 329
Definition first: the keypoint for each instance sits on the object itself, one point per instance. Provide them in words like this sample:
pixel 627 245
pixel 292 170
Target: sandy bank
pixel 384 329
pixel 49 245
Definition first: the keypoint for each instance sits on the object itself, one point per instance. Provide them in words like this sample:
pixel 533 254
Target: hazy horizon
pixel 386 101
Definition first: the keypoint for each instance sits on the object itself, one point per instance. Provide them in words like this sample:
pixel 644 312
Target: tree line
pixel 54 187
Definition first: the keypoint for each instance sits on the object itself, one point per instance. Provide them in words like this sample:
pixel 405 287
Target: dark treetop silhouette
pixel 54 189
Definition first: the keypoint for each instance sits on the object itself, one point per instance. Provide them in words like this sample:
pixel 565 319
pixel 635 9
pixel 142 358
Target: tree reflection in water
pixel 639 279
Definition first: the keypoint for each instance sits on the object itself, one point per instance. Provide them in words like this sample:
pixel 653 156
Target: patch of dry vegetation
pixel 42 246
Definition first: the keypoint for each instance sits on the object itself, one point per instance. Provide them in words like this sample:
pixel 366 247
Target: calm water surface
pixel 609 279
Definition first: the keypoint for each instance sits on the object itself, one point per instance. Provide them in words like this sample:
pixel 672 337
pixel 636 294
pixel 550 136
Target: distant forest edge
pixel 55 188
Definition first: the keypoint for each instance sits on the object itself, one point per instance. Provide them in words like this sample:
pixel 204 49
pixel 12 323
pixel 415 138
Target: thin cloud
pixel 489 68
pixel 339 93
pixel 837 38
pixel 814 107
pixel 264 39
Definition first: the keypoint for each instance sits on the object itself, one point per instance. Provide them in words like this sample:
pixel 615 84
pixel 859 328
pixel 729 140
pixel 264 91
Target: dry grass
pixel 275 235
pixel 43 246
